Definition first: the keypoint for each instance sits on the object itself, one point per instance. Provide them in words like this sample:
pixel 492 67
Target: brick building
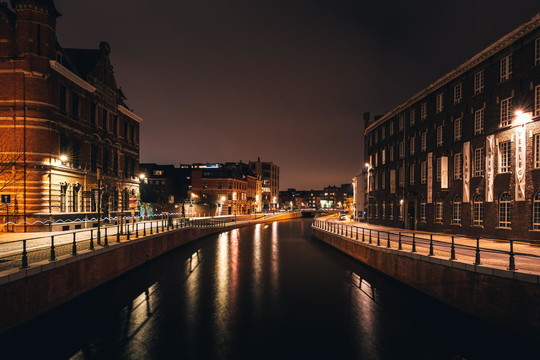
pixel 269 174
pixel 463 155
pixel 63 121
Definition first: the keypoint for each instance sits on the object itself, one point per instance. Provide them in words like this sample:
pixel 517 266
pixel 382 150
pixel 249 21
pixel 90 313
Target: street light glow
pixel 522 117
pixel 142 176
pixel 63 158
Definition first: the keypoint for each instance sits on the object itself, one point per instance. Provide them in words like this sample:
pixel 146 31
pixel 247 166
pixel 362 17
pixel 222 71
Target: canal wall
pixel 504 298
pixel 25 294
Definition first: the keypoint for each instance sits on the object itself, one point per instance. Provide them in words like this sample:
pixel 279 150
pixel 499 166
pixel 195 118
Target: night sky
pixel 284 80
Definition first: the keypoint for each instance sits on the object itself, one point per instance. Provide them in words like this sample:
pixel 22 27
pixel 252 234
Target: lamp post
pixel 99 206
pixel 368 167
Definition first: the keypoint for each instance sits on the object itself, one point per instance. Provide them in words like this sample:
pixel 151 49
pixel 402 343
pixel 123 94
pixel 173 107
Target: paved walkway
pixel 493 252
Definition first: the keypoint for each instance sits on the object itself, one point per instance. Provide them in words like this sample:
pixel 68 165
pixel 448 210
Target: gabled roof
pixel 85 60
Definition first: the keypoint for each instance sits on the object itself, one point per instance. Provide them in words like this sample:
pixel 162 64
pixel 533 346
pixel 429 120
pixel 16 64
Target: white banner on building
pixel 444 172
pixel 429 178
pixel 520 163
pixel 392 181
pixel 466 171
pixel 490 166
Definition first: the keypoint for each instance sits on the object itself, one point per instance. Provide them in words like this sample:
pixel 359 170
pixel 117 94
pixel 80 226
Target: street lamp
pixel 368 167
pixel 63 158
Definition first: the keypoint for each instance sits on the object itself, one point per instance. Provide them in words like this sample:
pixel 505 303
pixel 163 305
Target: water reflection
pixel 257 266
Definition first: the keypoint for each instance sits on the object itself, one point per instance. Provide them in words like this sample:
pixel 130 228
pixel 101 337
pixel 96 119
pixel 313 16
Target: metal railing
pixel 426 244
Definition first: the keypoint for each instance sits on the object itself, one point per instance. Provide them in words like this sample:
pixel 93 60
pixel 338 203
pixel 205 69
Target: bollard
pixel 91 239
pixel 157 227
pixel 128 231
pixel 400 246
pixel 453 250
pixel 430 244
pixel 162 225
pixel 363 235
pixel 370 236
pixel 144 229
pixel 151 228
pixel 477 259
pixel 24 263
pixel 117 232
pixel 512 265
pixel 74 246
pixel 137 230
pixel 388 239
pixel 413 242
pixel 356 233
pixel 378 238
pixel 53 253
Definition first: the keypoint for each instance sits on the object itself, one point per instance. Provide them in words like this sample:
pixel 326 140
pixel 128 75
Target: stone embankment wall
pixel 498 298
pixel 27 293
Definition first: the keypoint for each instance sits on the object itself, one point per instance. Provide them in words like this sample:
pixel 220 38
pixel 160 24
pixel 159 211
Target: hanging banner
pixel 490 166
pixel 520 163
pixel 466 171
pixel 444 172
pixel 430 178
pixel 392 181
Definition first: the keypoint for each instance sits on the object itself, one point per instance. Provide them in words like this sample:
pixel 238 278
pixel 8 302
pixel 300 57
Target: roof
pixel 494 48
pixel 49 4
pixel 85 60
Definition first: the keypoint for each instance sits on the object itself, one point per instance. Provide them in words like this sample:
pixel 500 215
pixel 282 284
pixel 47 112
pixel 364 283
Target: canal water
pixel 269 291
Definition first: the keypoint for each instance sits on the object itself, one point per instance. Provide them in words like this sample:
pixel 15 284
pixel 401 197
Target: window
pixel 104 119
pixel 412 116
pixel 401 210
pixel 383 180
pixel 63 197
pixel 423 172
pixel 478 121
pixel 115 125
pixel 479 162
pixel 376 211
pixel 401 120
pixel 506 111
pixel 537 151
pixel 537 51
pixel 383 213
pixel 62 98
pixel 439 103
pixel 423 111
pixel 438 211
pixel 439 135
pixel 536 211
pixel 391 214
pixel 457 166
pixel 411 174
pixel 401 176
pixel 457 94
pixel 93 114
pixel 504 157
pixel 383 156
pixel 456 211
pixel 478 210
pixel 105 162
pixel 93 157
pixel 411 143
pixel 75 105
pixel 423 141
pixel 506 68
pixel 479 82
pixel 383 133
pixel 376 181
pixel 505 210
pixel 391 152
pixel 457 129
pixel 423 210
pixel 391 128
pixel 537 100
pixel 438 169
pixel 401 149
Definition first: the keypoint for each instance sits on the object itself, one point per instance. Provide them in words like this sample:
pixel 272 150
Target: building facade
pixel 268 172
pixel 65 126
pixel 463 155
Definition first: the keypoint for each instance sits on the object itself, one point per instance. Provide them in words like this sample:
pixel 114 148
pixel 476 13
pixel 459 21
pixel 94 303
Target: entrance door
pixel 411 215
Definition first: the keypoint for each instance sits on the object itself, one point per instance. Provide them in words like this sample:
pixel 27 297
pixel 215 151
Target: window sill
pixel 478 226
pixel 502 228
pixel 534 230
pixel 456 225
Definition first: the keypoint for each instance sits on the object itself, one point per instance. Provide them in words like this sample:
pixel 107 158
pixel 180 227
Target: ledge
pixel 65 72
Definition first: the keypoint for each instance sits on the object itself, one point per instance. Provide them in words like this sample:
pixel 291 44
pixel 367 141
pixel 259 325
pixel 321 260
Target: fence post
pixel 413 242
pixel 356 233
pixel 144 229
pixel 24 263
pixel 370 236
pixel 378 238
pixel 91 239
pixel 74 246
pixel 117 232
pixel 430 244
pixel 53 253
pixel 512 265
pixel 128 231
pixel 363 235
pixel 137 230
pixel 162 225
pixel 388 238
pixel 477 259
pixel 400 246
pixel 453 250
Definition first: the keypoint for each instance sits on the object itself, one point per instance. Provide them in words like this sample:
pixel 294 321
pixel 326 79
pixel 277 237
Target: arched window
pixel 63 197
pixel 456 211
pixel 505 210
pixel 423 209
pixel 536 211
pixel 438 210
pixel 478 210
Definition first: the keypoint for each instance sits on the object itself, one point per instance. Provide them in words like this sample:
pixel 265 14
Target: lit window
pixel 376 211
pixel 383 213
pixel 412 141
pixel 423 111
pixel 391 128
pixel 383 180
pixel 537 100
pixel 401 149
pixel 438 210
pixel 423 172
pixel 506 68
pixel 456 211
pixel 423 210
pixel 401 120
pixel 391 214
pixel 505 210
pixel 457 166
pixel 537 51
pixel 401 176
pixel 438 169
pixel 412 117
pixel 383 156
pixel 537 151
pixel 401 210
pixel 478 210
pixel 439 135
pixel 478 121
pixel 536 211
pixel 457 129
pixel 479 162
pixel 506 112
pixel 411 174
pixel 423 141
pixel 504 157
pixel 391 152
pixel 457 94
pixel 479 82
pixel 439 103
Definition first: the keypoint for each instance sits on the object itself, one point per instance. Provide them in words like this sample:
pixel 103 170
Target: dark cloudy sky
pixel 286 80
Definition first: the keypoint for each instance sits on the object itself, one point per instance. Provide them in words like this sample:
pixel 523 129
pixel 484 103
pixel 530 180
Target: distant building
pixel 332 197
pixel 269 174
pixel 64 122
pixel 463 154
pixel 164 186
pixel 359 195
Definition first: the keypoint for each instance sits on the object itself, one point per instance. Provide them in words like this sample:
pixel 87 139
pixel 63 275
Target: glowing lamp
pixel 63 158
